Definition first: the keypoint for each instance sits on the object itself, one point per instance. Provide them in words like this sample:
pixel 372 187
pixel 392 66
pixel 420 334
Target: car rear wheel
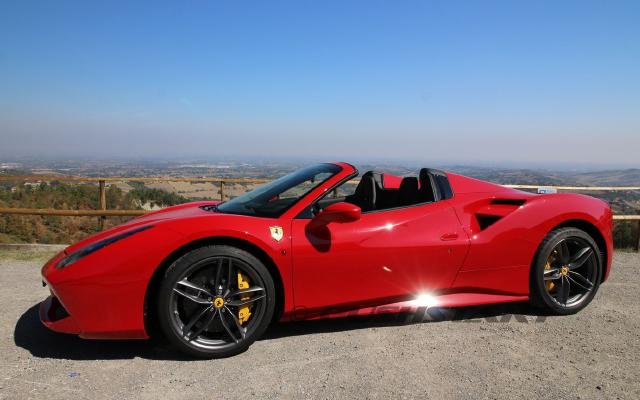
pixel 215 301
pixel 566 272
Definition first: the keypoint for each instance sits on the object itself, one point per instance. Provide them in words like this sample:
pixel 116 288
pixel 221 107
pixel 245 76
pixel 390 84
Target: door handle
pixel 449 236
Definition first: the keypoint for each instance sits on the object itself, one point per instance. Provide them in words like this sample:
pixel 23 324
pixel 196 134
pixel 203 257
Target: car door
pixel 383 257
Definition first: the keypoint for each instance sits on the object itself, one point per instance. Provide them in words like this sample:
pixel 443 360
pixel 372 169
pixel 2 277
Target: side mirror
pixel 339 212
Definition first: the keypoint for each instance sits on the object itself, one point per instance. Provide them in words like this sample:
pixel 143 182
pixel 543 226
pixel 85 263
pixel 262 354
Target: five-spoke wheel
pixel 215 301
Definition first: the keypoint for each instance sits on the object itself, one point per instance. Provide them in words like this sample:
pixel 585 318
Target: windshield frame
pixel 239 205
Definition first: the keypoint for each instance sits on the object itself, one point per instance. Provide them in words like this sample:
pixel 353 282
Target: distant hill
pixel 624 177
pixel 514 176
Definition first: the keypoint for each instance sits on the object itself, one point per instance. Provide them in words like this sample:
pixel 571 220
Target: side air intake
pixel 496 210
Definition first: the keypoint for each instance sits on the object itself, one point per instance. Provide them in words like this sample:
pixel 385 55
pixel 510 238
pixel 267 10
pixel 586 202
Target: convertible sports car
pixel 212 276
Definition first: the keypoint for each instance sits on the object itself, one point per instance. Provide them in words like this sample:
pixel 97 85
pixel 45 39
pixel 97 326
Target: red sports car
pixel 313 244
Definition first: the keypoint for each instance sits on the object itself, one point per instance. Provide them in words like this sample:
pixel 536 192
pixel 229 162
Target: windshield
pixel 274 198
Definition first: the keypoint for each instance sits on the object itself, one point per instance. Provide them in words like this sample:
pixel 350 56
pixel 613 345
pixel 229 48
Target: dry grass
pixel 35 254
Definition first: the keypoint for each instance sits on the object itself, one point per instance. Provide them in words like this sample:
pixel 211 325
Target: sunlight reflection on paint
pixel 425 300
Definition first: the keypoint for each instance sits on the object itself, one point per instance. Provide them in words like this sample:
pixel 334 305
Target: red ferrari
pixel 212 276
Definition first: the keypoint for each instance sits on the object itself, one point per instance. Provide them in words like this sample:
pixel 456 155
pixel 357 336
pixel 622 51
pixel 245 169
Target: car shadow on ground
pixel 32 336
pixel 495 313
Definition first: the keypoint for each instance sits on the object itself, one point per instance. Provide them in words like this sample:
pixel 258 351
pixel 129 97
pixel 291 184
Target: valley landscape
pixel 41 190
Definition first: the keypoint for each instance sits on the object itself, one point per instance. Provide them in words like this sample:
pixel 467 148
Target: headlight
pixel 85 251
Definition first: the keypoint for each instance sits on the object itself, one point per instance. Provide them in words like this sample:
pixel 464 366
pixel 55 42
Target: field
pixel 489 352
pixel 201 191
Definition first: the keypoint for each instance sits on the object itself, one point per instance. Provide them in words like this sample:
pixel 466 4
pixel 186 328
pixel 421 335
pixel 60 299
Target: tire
pixel 566 272
pixel 202 296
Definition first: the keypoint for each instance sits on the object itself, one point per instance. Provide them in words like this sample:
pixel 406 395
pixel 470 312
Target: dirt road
pixel 485 354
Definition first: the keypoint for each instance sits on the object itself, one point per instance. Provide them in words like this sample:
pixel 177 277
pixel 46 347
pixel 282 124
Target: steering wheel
pixel 315 209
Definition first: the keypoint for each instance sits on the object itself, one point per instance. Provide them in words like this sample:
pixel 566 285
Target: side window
pixel 344 190
pixel 337 194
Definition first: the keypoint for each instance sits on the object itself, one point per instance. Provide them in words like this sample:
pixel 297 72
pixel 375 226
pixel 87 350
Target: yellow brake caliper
pixel 243 313
pixel 549 284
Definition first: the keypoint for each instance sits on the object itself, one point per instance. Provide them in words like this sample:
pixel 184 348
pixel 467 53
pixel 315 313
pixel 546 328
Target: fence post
pixel 102 202
pixel 637 241
pixel 221 190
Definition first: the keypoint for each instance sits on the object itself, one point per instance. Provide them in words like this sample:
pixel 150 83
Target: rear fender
pixel 507 247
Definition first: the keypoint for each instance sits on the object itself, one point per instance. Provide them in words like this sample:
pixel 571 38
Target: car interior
pixel 378 191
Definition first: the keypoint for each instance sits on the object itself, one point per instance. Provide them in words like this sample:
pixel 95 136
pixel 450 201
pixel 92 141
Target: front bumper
pixel 53 314
pixel 102 295
pixel 93 306
pixel 55 317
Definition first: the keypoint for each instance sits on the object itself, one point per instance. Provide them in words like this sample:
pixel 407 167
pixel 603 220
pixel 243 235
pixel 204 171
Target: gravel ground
pixel 488 353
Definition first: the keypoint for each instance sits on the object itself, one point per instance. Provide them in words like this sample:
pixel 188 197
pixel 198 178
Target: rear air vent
pixel 210 207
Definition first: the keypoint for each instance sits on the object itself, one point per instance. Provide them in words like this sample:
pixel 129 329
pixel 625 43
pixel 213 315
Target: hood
pixel 175 212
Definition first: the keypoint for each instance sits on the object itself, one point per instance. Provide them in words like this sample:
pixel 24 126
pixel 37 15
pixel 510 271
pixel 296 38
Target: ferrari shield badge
pixel 276 232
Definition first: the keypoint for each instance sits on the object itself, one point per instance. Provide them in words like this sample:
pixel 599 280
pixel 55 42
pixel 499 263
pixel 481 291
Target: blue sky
pixel 474 82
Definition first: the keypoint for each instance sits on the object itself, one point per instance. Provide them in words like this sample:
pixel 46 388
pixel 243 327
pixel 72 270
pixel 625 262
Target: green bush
pixel 54 229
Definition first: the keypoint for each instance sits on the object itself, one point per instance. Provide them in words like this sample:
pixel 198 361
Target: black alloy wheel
pixel 215 301
pixel 567 271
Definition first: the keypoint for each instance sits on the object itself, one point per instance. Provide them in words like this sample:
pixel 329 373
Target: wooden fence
pixel 103 212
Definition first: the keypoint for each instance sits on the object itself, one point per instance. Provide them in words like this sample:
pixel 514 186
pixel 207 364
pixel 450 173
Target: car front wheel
pixel 215 301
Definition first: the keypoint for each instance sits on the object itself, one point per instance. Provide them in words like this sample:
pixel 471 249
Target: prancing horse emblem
pixel 276 232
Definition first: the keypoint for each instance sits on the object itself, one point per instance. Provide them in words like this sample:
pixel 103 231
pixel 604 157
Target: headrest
pixel 427 186
pixel 366 192
pixel 408 191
